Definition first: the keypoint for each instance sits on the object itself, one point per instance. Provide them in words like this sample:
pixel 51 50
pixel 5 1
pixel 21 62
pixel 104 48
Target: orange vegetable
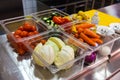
pixel 84 25
pixel 31 33
pixel 81 39
pixel 58 20
pixel 76 35
pixel 18 32
pixel 87 39
pixel 21 28
pixel 24 33
pixel 33 28
pixel 36 32
pixel 99 41
pixel 17 36
pixel 27 27
pixel 20 51
pixel 71 41
pixel 90 33
pixel 43 41
pixel 80 30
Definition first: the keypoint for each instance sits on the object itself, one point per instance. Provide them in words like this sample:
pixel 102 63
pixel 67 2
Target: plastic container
pixel 42 15
pixel 78 56
pixel 105 69
pixel 12 25
pixel 1 30
pixel 108 41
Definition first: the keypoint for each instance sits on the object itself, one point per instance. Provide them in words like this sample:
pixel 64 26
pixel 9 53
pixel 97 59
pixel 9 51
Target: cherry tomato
pixel 33 28
pixel 17 32
pixel 36 32
pixel 25 33
pixel 21 28
pixel 31 33
pixel 27 27
pixel 17 36
pixel 26 24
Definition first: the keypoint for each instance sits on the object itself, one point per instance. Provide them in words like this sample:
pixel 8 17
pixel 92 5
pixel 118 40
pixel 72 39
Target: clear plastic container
pixel 108 41
pixel 15 37
pixel 105 69
pixel 12 24
pixel 46 17
pixel 79 53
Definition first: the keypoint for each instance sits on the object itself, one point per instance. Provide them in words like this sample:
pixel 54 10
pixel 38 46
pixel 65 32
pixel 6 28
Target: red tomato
pixel 17 32
pixel 26 24
pixel 31 33
pixel 27 27
pixel 33 28
pixel 36 32
pixel 24 33
pixel 21 28
pixel 17 36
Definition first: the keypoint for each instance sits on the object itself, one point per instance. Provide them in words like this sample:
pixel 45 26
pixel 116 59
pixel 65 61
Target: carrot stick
pixel 84 25
pixel 76 35
pixel 90 33
pixel 81 39
pixel 99 41
pixel 87 39
pixel 71 41
pixel 80 30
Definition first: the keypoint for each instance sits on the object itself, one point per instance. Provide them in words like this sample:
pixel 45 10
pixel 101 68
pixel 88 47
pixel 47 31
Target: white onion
pixel 104 51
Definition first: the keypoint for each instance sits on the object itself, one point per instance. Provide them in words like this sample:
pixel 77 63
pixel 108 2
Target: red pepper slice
pixel 58 20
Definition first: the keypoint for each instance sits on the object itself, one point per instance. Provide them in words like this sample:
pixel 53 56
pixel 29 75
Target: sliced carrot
pixel 43 41
pixel 87 39
pixel 71 41
pixel 90 33
pixel 84 25
pixel 76 35
pixel 81 39
pixel 99 41
pixel 80 30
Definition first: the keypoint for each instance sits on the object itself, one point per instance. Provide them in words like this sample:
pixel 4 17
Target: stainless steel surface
pixel 8 69
pixel 103 70
pixel 113 10
pixel 21 66
pixel 24 67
